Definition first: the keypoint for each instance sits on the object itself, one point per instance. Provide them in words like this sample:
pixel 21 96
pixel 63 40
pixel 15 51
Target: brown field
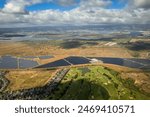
pixel 25 49
pixel 28 79
pixel 15 48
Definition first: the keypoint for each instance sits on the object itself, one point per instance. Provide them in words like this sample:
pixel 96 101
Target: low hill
pixel 87 82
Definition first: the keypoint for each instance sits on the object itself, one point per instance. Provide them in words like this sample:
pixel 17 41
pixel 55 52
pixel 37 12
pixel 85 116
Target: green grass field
pixel 96 83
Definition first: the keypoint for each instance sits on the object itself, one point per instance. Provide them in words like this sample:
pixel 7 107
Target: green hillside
pixel 96 83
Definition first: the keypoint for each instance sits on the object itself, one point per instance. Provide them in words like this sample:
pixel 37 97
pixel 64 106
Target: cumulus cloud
pixel 18 6
pixel 65 2
pixel 142 3
pixel 99 16
pixel 13 7
pixel 86 4
pixel 138 4
pixel 87 12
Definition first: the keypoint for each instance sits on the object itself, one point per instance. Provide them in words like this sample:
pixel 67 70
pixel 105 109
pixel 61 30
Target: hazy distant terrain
pixel 75 32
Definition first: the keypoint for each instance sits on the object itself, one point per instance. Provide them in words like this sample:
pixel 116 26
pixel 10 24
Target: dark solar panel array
pixel 117 61
pixel 8 62
pixel 133 63
pixel 146 67
pixel 30 57
pixel 55 64
pixel 77 60
pixel 143 61
pixel 23 64
pixel 45 57
pixel 81 60
pixel 66 62
pixel 40 57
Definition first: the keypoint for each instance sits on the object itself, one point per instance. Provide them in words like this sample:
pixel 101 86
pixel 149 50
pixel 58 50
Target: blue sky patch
pixel 45 6
pixel 116 4
pixel 2 3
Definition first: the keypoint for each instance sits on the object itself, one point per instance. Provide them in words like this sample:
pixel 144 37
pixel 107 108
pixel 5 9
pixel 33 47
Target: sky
pixel 73 12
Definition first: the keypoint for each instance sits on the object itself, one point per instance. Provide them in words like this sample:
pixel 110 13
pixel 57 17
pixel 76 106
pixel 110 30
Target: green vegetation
pixel 135 54
pixel 96 83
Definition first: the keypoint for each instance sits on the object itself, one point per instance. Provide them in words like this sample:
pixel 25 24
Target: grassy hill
pixel 97 83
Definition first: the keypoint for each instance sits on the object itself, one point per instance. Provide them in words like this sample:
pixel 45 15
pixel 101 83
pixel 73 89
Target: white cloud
pixel 77 16
pixel 86 4
pixel 88 12
pixel 65 2
pixel 18 6
pixel 13 7
pixel 142 3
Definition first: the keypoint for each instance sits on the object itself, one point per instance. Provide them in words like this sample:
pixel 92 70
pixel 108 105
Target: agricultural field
pixel 97 83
